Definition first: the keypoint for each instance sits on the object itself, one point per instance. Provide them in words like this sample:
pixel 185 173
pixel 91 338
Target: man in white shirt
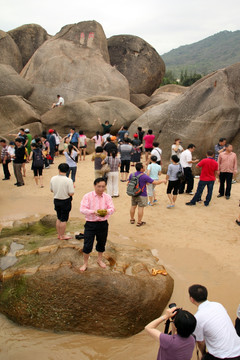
pixel 214 330
pixel 186 163
pixel 63 190
pixel 157 152
pixel 59 103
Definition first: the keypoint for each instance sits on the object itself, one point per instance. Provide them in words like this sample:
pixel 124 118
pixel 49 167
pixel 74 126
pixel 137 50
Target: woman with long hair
pixel 112 179
pixel 71 154
pixel 97 139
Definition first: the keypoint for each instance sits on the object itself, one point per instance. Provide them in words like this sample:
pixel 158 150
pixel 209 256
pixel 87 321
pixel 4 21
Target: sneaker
pixel 233 181
pixel 190 203
pixel 227 197
pixel 170 206
pixel 219 195
pixel 191 193
pixel 238 222
pixel 155 200
pixel 150 204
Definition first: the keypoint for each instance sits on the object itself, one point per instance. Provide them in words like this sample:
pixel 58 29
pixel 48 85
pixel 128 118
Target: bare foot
pixel 101 264
pixel 65 237
pixel 83 268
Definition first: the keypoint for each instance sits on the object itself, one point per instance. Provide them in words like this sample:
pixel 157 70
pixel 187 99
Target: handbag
pixel 105 168
pixel 180 174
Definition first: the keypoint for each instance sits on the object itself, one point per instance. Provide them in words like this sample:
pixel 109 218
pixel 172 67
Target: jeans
pixel 188 179
pixel 200 188
pixel 225 176
pixel 5 169
pixel 73 171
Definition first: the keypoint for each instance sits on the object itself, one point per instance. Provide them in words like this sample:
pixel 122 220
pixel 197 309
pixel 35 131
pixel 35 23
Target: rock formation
pixel 45 289
pixel 28 39
pixel 74 64
pixel 208 110
pixel 12 83
pixel 138 61
pixel 21 113
pixel 83 115
pixel 9 52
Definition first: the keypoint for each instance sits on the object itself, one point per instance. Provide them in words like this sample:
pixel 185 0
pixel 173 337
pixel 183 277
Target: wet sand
pixel 196 245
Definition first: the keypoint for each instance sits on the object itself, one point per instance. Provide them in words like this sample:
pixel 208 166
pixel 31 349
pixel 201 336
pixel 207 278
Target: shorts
pixel 150 189
pixel 148 149
pixel 92 229
pixel 83 147
pixel 140 201
pixel 37 171
pixel 63 208
pixel 125 166
pixel 173 185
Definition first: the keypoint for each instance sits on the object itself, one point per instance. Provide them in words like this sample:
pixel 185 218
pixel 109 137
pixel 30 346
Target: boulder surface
pixel 9 52
pixel 138 61
pixel 12 83
pixel 45 289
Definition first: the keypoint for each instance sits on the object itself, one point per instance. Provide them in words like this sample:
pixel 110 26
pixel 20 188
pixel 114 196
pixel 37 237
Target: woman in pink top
pixel 97 139
pixel 149 139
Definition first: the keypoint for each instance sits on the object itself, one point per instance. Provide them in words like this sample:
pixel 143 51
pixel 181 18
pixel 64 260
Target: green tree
pixel 169 78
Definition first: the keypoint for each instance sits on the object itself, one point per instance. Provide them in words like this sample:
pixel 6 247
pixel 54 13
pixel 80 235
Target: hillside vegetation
pixel 205 56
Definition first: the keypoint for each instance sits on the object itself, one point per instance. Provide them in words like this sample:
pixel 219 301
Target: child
pixel 173 181
pixel 153 170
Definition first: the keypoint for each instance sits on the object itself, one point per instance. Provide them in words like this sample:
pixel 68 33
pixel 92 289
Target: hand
pixel 171 312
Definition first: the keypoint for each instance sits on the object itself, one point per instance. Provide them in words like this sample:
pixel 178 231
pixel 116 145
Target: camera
pixel 171 306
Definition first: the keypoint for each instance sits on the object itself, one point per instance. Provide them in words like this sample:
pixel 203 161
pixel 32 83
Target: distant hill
pixel 205 56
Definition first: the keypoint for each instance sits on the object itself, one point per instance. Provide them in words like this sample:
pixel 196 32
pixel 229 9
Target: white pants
pixel 112 183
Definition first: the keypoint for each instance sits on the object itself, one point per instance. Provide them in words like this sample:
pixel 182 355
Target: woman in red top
pixel 149 139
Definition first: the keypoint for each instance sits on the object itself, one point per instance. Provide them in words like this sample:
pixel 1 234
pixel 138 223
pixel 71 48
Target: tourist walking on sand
pixel 126 150
pixel 186 162
pixel 29 137
pixel 149 139
pixel 137 146
pixel 173 180
pixel 63 190
pixel 156 151
pixel 5 159
pixel 97 139
pixel 71 154
pixel 18 161
pixel 112 179
pixel 106 126
pixel 97 206
pixel 154 171
pixel 45 149
pixel 227 166
pixel 214 330
pixel 140 201
pixel 177 148
pixel 52 145
pixel 37 157
pixel 179 344
pixel 82 144
pixel 98 157
pixel 207 178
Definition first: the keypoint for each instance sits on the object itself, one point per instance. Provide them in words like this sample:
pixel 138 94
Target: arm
pixel 109 206
pixel 158 182
pixel 151 327
pixel 76 149
pixel 99 121
pixel 31 155
pixel 202 346
pixel 84 207
pixel 114 121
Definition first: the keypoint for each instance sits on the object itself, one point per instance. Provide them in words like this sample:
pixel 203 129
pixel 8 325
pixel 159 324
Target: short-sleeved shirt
pixel 217 148
pixel 98 158
pixel 215 327
pixel 143 180
pixel 74 137
pixel 209 166
pixel 61 186
pixel 157 152
pixel 70 159
pixel 172 171
pixel 175 347
pixel 82 140
pixel 126 151
pixel 106 128
pixel 186 156
pixel 149 139
pixel 154 170
pixel 178 152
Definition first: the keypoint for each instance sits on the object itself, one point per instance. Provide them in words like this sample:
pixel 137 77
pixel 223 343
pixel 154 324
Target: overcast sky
pixel 165 24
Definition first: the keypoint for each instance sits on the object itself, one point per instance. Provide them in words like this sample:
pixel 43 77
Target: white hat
pixel 26 130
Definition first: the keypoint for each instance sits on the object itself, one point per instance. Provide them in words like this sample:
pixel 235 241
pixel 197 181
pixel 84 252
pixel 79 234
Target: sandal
pixel 141 223
pixel 132 221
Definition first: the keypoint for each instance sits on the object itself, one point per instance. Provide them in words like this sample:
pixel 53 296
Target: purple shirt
pixel 143 180
pixel 175 347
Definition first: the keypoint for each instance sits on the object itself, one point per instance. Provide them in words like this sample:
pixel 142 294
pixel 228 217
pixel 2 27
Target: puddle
pixel 10 259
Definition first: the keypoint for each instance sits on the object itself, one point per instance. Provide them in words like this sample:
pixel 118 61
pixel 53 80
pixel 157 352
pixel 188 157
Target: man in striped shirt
pixel 96 223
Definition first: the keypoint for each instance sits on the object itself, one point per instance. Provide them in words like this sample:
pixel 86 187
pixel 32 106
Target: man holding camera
pixel 214 329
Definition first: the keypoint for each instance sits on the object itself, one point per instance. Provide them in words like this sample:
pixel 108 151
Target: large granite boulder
pixel 28 39
pixel 138 61
pixel 16 112
pixel 12 83
pixel 42 286
pixel 84 114
pixel 208 110
pixel 9 52
pixel 140 100
pixel 74 64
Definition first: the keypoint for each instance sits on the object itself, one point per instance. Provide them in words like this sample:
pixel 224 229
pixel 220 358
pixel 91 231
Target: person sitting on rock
pixel 59 103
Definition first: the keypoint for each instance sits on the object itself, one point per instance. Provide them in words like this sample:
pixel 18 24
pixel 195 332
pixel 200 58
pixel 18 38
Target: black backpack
pixel 133 188
pixel 37 158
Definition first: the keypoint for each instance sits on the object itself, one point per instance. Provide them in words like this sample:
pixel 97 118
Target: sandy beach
pixel 196 244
